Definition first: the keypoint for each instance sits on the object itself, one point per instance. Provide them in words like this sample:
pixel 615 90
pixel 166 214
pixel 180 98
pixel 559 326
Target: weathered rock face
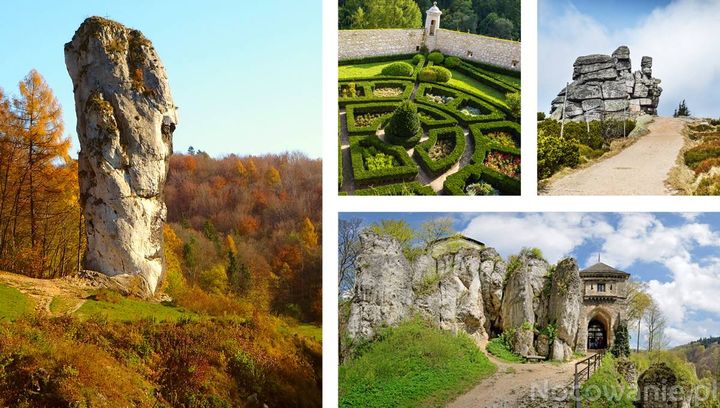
pixel 604 86
pixel 564 307
pixel 383 286
pixel 457 284
pixel 522 301
pixel 125 120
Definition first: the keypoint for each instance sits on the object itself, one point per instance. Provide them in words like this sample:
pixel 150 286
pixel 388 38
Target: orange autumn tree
pixel 39 212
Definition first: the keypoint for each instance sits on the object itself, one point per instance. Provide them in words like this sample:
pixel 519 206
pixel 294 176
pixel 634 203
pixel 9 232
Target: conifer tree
pixel 621 346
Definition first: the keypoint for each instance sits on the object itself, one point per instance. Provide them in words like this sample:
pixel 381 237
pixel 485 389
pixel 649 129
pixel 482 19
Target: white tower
pixel 432 21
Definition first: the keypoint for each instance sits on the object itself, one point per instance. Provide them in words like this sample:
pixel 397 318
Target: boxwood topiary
pixel 398 69
pixel 452 62
pixel 436 57
pixel 435 74
pixel 404 126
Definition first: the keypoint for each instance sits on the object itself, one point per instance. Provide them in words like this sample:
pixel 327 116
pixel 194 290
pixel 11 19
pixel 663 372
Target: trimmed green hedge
pixel 491 71
pixel 399 68
pixel 419 60
pixel 364 177
pixel 490 111
pixel 369 87
pixel 455 184
pixel 479 76
pixel 437 167
pixel 436 57
pixel 386 108
pixel 413 188
pixel 488 127
pixel 440 118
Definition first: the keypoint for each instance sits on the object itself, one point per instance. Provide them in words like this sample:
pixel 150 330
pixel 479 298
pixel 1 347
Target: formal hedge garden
pixel 427 124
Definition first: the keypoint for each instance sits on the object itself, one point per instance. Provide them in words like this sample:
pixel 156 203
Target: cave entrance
pixel 597 338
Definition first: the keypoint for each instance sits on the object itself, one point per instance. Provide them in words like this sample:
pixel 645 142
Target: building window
pixel 601 287
pixel 469 54
pixel 611 288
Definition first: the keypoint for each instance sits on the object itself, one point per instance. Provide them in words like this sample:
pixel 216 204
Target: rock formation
pixel 604 86
pixel 658 386
pixel 125 121
pixel 462 285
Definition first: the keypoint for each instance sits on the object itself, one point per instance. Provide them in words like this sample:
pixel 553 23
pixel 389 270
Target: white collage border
pixel 528 202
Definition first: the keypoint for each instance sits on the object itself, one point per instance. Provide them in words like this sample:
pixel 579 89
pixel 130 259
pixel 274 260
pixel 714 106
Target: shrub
pixel 540 116
pixel 107 295
pixel 554 153
pixel 621 345
pixel 697 154
pixel 404 127
pixel 417 58
pixel 405 171
pixel 435 74
pixel 436 57
pixel 398 69
pixel 606 387
pixel 709 186
pixel 452 62
pixel 401 189
pixel 456 183
pixel 707 164
pixel 513 101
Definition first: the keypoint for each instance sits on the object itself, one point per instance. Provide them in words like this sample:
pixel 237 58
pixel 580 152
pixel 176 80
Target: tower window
pixel 601 287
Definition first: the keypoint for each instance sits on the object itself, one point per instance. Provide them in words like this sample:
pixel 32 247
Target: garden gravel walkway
pixel 641 169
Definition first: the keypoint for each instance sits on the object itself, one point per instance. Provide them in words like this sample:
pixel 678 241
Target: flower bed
pixel 458 183
pixel 413 188
pixel 503 162
pixel 370 168
pixel 441 151
pixel 367 118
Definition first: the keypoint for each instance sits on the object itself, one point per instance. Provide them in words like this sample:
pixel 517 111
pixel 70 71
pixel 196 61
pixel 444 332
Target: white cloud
pixel 690 284
pixel 557 234
pixel 676 36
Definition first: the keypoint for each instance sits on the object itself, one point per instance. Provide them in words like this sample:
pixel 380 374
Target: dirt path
pixel 641 169
pixel 43 291
pixel 513 382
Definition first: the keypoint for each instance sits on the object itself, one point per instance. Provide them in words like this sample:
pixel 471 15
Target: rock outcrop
pixel 604 86
pixel 456 284
pixel 383 286
pixel 463 286
pixel 125 121
pixel 564 305
pixel 523 305
pixel 658 386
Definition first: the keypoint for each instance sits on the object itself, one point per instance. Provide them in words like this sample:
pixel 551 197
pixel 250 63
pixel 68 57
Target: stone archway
pixel 599 329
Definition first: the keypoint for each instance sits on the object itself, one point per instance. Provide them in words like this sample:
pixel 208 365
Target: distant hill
pixel 704 354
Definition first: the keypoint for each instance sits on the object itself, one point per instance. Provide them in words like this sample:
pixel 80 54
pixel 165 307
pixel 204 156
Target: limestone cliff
pixel 462 285
pixel 125 121
pixel 604 86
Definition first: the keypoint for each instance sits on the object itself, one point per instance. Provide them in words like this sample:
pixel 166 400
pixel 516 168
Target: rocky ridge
pixel 605 86
pixel 463 286
pixel 125 121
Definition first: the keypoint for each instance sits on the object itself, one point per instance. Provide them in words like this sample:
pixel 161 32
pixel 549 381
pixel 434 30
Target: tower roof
pixel 602 270
pixel 434 9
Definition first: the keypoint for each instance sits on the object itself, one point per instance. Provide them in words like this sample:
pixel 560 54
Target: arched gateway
pixel 604 305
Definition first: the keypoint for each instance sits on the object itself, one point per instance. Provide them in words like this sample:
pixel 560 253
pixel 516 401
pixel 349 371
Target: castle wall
pixel 611 313
pixel 353 44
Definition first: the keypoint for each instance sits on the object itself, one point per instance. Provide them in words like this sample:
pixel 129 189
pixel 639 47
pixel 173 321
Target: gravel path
pixel 641 169
pixel 511 385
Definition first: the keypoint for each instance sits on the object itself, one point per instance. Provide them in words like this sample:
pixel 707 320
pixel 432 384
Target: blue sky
pixel 246 75
pixel 674 32
pixel 676 254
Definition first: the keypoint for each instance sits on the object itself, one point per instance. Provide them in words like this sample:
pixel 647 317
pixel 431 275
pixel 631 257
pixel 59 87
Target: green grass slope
pixel 13 303
pixel 412 365
pixel 127 310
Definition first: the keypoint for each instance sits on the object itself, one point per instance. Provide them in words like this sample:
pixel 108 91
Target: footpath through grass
pixel 412 365
pixel 497 348
pixel 13 303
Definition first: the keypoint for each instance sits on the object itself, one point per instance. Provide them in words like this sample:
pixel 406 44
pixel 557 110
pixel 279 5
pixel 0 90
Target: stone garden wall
pixel 354 44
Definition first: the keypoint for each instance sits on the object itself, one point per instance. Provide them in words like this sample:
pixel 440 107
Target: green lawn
pixel 498 349
pixel 414 365
pixel 13 303
pixel 308 330
pixel 464 82
pixel 364 70
pixel 514 81
pixel 131 310
pixel 62 305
